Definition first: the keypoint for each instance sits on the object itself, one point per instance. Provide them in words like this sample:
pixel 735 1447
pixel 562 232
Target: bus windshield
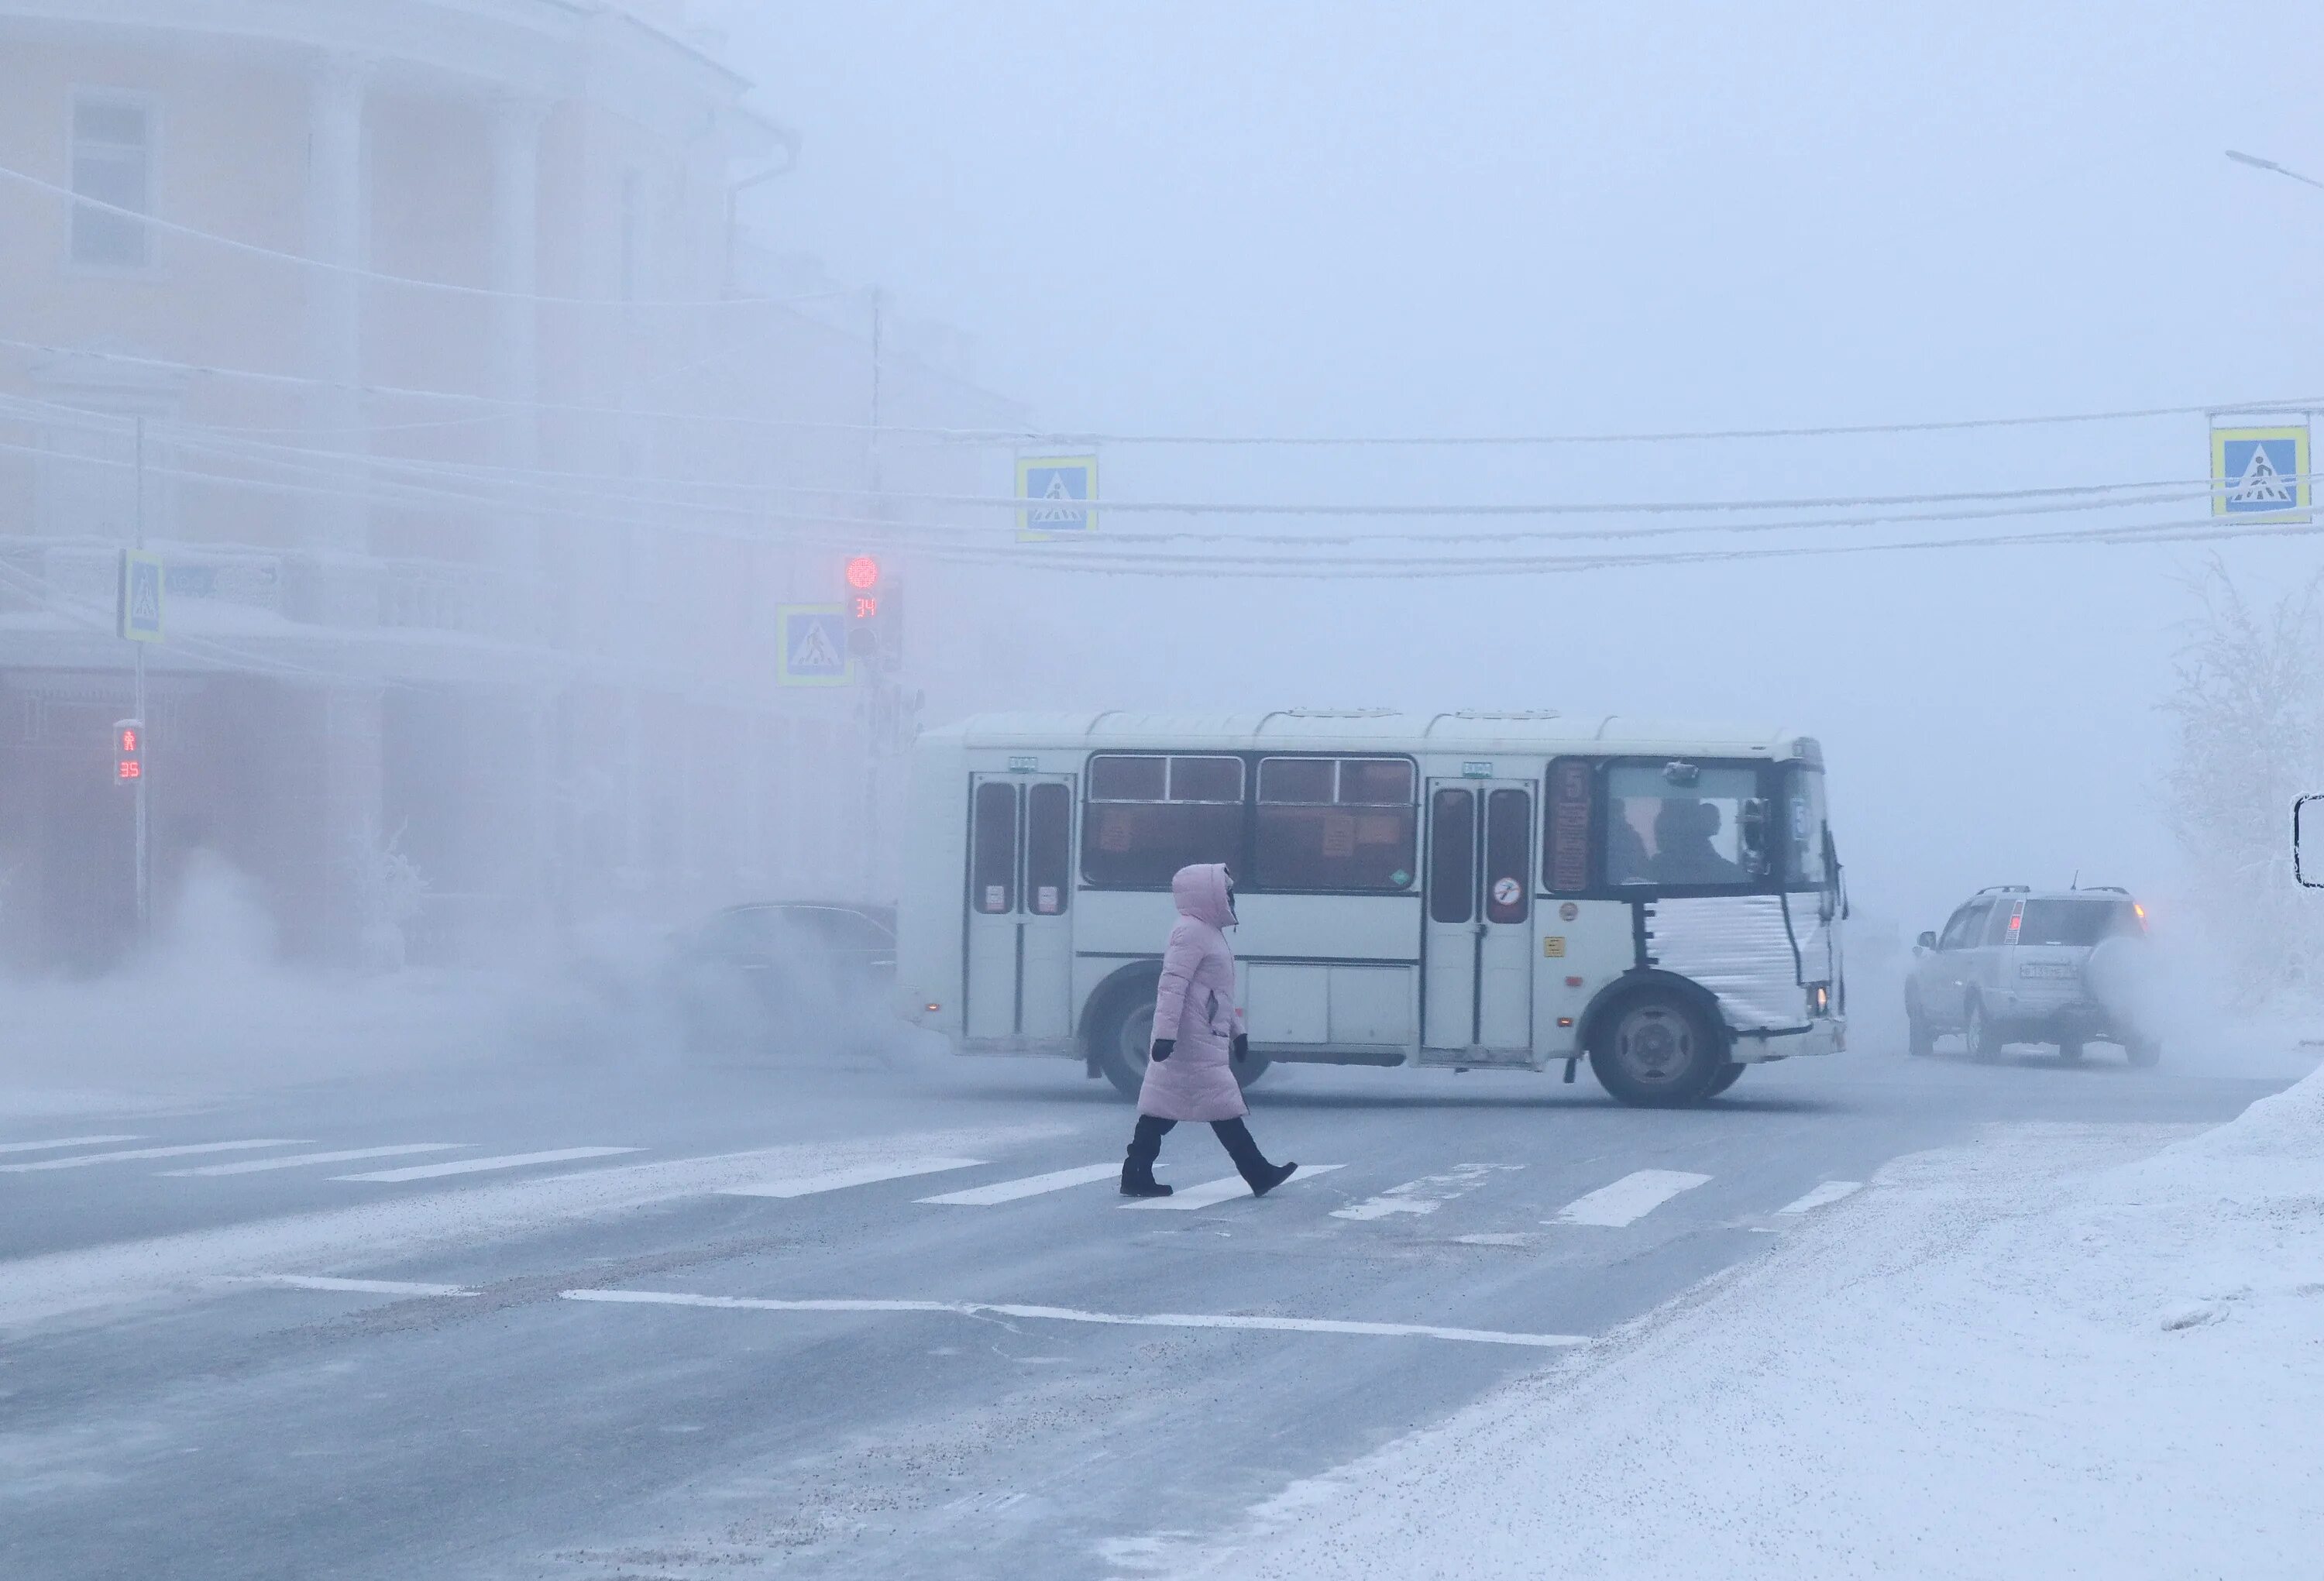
pixel 1677 824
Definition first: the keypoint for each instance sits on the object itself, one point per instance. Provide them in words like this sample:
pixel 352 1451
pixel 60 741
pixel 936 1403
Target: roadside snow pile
pixel 2027 1357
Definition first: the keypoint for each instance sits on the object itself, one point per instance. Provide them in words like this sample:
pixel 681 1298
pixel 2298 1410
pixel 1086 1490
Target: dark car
pixel 787 975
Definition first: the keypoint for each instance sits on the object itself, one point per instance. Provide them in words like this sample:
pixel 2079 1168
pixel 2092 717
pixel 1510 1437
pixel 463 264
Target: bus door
pixel 1020 893
pixel 1477 956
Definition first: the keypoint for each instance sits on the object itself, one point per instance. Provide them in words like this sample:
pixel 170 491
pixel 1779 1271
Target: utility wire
pixel 1064 440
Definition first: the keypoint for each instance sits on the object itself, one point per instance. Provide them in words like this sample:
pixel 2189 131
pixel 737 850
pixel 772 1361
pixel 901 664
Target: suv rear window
pixel 2077 920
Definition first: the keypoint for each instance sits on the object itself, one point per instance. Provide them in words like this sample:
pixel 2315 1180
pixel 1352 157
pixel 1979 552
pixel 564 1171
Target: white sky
pixel 1337 217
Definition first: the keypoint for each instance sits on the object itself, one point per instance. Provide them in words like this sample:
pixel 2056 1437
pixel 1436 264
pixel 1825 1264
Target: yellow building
pixel 418 338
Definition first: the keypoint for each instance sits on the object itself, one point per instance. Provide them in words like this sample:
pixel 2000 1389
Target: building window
pixel 111 163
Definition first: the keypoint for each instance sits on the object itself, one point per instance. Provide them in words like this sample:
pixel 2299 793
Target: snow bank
pixel 2060 1351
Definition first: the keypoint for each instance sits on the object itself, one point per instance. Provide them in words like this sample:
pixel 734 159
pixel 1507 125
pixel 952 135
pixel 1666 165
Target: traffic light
pixel 128 751
pixel 874 608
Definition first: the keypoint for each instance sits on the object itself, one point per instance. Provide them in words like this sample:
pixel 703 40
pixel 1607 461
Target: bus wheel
pixel 1658 1051
pixel 1725 1079
pixel 1121 1031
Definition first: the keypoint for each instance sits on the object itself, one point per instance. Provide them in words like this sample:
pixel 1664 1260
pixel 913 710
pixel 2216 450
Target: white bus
pixel 1461 890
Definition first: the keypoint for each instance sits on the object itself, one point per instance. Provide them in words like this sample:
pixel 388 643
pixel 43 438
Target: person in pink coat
pixel 1197 1032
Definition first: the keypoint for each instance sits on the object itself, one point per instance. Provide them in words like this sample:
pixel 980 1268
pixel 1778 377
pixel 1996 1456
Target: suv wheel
pixel 1658 1050
pixel 1920 1038
pixel 1983 1042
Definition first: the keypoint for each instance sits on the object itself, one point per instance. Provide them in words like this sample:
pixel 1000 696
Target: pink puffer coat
pixel 1196 1006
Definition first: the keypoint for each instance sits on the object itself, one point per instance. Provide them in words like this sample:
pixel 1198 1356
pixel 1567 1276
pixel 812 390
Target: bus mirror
pixel 1751 829
pixel 2308 842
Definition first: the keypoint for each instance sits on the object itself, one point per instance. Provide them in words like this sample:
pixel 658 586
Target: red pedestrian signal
pixel 128 751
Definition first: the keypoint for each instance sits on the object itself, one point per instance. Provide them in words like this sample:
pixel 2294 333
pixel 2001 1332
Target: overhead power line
pixel 1066 439
pixel 491 485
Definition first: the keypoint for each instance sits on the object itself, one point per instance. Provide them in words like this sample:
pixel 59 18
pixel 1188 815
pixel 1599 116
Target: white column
pixel 336 200
pixel 515 151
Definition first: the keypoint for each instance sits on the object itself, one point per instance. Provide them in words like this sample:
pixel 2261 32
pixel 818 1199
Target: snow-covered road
pixel 2058 1350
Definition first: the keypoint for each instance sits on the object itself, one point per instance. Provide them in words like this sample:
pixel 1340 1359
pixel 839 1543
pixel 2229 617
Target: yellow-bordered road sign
pixel 2261 474
pixel 1058 495
pixel 139 609
pixel 814 645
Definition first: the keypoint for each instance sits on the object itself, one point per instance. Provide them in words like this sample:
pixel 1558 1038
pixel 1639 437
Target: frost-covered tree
pixel 2249 703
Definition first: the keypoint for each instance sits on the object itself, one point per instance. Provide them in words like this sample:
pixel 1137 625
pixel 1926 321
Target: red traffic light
pixel 864 572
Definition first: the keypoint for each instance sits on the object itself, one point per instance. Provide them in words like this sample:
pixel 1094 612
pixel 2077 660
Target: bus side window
pixel 1452 856
pixel 1508 855
pixel 1048 849
pixel 992 849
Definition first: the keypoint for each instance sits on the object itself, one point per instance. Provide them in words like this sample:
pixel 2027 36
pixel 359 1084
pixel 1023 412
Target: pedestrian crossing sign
pixel 814 651
pixel 139 607
pixel 2261 474
pixel 1055 494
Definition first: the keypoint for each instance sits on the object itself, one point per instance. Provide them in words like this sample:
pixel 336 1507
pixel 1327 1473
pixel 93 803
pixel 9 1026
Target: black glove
pixel 1162 1047
pixel 1241 1047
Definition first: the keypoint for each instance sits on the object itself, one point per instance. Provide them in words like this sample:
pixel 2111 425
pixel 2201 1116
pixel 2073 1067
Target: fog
pixel 1317 219
pixel 1167 226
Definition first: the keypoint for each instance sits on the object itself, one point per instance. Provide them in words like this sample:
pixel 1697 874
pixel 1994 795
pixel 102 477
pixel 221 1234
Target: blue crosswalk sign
pixel 139 615
pixel 814 638
pixel 2260 473
pixel 1055 494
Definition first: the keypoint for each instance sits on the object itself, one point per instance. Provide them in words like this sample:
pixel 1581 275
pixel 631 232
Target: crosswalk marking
pixel 1030 1186
pixel 1830 1192
pixel 1229 1321
pixel 469 1166
pixel 1424 1195
pixel 354 1286
pixel 82 1159
pixel 865 1174
pixel 1210 1193
pixel 250 1166
pixel 1629 1199
pixel 62 1142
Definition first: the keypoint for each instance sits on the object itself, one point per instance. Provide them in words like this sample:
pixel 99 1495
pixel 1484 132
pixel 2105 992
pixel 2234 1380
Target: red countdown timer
pixel 128 751
pixel 863 573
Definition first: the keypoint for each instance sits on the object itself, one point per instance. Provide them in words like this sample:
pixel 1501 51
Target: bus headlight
pixel 1819 999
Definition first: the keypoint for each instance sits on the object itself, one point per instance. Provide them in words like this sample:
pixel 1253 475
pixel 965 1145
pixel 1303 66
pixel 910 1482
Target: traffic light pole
pixel 144 888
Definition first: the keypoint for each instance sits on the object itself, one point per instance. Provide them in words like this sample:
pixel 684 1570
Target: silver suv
pixel 2021 965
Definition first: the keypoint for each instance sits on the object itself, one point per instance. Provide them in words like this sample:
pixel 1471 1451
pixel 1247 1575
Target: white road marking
pixel 469 1166
pixel 1073 1315
pixel 1627 1199
pixel 62 1142
pixel 1830 1192
pixel 250 1166
pixel 91 1284
pixel 1424 1195
pixel 356 1286
pixel 839 1180
pixel 1030 1186
pixel 80 1159
pixel 1210 1193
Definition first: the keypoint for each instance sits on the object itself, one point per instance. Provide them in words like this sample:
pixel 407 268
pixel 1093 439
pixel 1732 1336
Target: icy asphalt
pixel 390 1352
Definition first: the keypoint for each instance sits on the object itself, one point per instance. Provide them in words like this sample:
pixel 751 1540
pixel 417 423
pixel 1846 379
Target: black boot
pixel 1138 1167
pixel 1259 1175
pixel 1137 1180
